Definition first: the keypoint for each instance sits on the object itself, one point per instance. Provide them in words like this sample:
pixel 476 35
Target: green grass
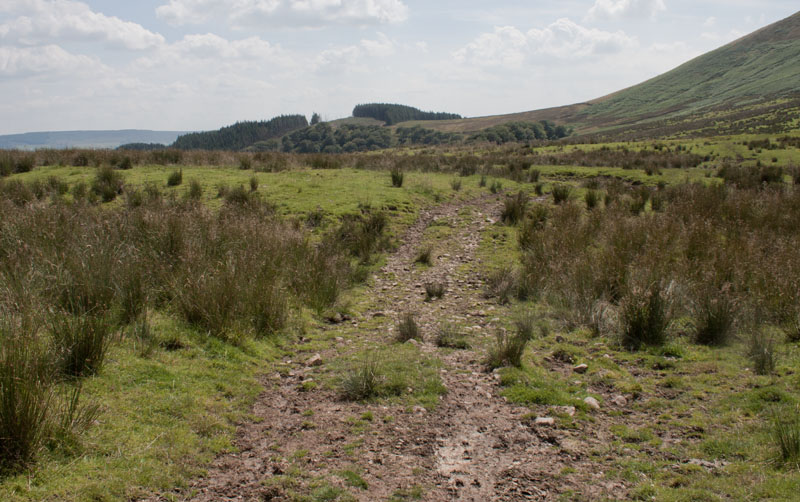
pixel 402 374
pixel 162 418
pixel 296 192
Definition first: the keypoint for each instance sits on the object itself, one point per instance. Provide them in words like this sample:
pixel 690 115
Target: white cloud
pixel 302 13
pixel 710 22
pixel 382 47
pixel 49 60
pixel 625 9
pixel 44 21
pixel 211 46
pixel 510 47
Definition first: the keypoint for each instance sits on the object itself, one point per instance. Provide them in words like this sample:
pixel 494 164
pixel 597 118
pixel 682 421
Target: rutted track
pixel 473 446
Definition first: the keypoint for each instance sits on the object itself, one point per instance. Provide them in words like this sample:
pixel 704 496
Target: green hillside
pixel 752 84
pixel 761 65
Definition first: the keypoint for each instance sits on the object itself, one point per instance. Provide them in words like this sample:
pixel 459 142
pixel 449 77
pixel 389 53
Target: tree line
pixel 393 114
pixel 241 135
pixel 522 132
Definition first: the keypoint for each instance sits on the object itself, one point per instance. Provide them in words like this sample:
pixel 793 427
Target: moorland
pixel 598 302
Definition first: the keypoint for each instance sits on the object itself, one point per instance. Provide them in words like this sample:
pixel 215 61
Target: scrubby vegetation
pixel 647 261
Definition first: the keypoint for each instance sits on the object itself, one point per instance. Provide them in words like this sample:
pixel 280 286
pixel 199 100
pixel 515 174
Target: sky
pixel 202 64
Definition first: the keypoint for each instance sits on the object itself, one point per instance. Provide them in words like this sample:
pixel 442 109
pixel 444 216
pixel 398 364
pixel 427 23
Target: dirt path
pixel 473 446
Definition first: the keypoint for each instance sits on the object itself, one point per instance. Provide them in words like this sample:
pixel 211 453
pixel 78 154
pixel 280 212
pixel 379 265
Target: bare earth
pixel 474 446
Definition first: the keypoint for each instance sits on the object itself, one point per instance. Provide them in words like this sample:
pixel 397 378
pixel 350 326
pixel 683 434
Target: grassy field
pixel 174 383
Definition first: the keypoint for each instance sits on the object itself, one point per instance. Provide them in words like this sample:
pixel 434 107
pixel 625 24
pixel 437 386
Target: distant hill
pixel 241 134
pixel 85 139
pixel 750 84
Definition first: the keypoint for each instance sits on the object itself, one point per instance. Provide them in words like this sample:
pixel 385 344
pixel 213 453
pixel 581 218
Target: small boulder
pixel 592 403
pixel 581 368
pixel 619 400
pixel 544 422
pixel 315 360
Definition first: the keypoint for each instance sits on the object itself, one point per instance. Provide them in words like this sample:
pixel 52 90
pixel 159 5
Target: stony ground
pixel 472 446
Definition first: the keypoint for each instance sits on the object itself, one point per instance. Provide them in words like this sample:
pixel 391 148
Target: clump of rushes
pixel 785 432
pixel 195 190
pixel 32 413
pixel 447 336
pixel 175 178
pixel 362 382
pixel 80 343
pixel 645 317
pixel 715 317
pixel 592 198
pixel 424 255
pixel 495 187
pixel 482 182
pixel 455 184
pixel 514 208
pixel 561 193
pixel 434 290
pixel 508 349
pixel 502 284
pixel 397 177
pixel 107 183
pixel 253 183
pixel 761 351
pixel 407 328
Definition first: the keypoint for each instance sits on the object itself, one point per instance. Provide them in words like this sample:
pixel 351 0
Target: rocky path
pixel 474 446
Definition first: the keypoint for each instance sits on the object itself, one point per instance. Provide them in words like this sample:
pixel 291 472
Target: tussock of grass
pixel 408 329
pixel 448 336
pixel 785 432
pixel 434 290
pixel 398 373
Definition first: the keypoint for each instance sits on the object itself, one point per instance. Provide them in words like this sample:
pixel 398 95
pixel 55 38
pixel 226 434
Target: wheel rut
pixel 474 446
